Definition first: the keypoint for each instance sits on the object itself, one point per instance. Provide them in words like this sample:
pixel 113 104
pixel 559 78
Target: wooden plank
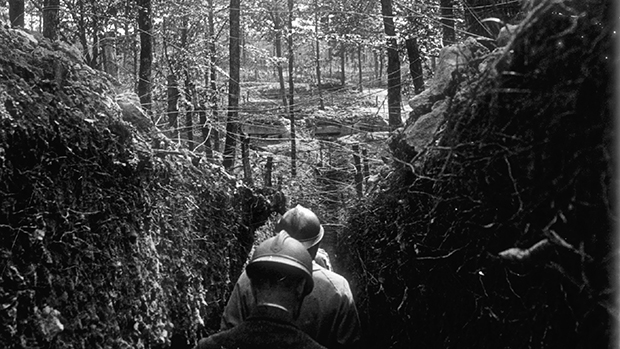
pixel 264 130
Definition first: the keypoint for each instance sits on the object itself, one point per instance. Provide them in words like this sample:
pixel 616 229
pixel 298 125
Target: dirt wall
pixel 105 241
pixel 500 232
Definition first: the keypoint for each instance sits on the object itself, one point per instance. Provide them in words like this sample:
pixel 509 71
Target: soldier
pixel 280 274
pixel 328 314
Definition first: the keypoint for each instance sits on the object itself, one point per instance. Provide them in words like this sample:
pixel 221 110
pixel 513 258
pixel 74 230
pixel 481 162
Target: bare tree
pixel 415 64
pixel 318 55
pixel 359 66
pixel 343 61
pixel 447 22
pixel 245 159
pixel 291 89
pixel 189 86
pixel 393 68
pixel 110 60
pixel 359 176
pixel 277 26
pixel 232 125
pixel 213 132
pixel 172 110
pixel 145 24
pixel 51 19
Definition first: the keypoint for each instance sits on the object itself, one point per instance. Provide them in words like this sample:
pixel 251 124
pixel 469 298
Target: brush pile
pixel 499 234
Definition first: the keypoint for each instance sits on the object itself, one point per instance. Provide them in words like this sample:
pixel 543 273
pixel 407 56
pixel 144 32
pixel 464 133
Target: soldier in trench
pixel 280 274
pixel 328 314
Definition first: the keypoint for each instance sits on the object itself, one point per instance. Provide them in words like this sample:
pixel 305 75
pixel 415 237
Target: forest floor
pixel 348 101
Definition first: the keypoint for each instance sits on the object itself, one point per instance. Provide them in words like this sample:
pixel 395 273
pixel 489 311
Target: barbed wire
pixel 331 145
pixel 300 102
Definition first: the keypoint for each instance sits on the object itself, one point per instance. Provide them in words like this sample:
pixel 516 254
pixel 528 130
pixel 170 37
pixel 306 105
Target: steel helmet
pixel 285 254
pixel 303 225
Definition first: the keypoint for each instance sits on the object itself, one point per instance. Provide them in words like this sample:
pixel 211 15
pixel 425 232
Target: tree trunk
pixel 359 66
pixel 206 132
pixel 172 109
pixel 366 168
pixel 329 57
pixel 232 124
pixel 245 158
pixel 358 170
pixel 109 54
pixel 268 171
pixel 16 13
pixel 376 63
pixel 189 94
pixel 291 90
pixel 278 48
pixel 343 57
pixel 81 26
pixel 447 22
pixel 145 25
pixel 136 54
pixel 51 19
pixel 189 112
pixel 318 55
pixel 244 56
pixel 215 116
pixel 213 94
pixel 126 46
pixel 94 63
pixel 415 64
pixel 393 68
pixel 381 64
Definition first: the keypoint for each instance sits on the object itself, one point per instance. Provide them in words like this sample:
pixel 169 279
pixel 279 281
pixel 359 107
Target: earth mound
pixel 105 240
pixel 499 232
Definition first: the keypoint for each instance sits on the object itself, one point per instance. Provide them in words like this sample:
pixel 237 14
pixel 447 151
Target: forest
pixel 197 66
pixel 459 154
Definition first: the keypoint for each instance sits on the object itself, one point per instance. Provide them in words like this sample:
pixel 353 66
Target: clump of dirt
pixel 106 242
pixel 500 233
